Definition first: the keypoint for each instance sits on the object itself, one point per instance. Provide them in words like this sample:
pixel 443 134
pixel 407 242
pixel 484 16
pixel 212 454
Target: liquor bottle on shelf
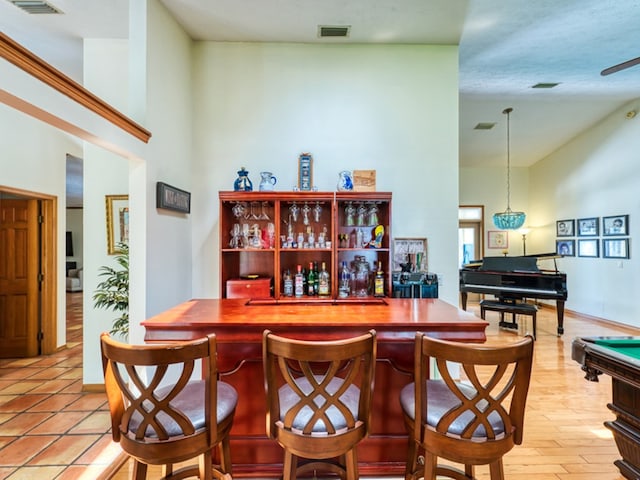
pixel 324 285
pixel 344 287
pixel 299 283
pixel 288 284
pixel 311 281
pixel 378 288
pixel 304 280
pixel 316 273
pixel 362 276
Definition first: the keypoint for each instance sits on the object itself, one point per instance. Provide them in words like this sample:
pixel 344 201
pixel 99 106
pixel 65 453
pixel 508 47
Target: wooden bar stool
pixel 159 420
pixel 318 401
pixel 472 416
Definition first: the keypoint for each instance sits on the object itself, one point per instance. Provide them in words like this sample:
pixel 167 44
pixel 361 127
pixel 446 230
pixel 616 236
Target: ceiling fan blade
pixel 620 66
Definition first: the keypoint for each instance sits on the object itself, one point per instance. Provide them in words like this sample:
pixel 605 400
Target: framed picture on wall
pixel 497 239
pixel 305 172
pixel 616 225
pixel 615 248
pixel 172 198
pixel 117 207
pixel 588 248
pixel 566 248
pixel 588 227
pixel 565 228
pixel 410 254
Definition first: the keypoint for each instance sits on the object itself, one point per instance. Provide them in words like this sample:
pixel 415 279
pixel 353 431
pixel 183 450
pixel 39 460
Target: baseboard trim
pixel 114 468
pixel 93 387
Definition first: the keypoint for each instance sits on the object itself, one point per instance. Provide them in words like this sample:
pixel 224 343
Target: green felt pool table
pixel 618 357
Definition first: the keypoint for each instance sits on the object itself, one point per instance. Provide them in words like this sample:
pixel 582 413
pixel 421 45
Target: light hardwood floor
pixel 564 437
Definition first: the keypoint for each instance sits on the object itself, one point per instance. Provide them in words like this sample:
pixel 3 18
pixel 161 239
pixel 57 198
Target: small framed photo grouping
pixel 565 228
pixel 566 248
pixel 588 227
pixel 615 225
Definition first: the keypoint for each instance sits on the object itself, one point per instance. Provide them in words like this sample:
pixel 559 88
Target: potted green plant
pixel 113 292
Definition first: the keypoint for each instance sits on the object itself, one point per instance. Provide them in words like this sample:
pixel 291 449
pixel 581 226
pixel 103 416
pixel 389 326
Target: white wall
pixel 168 114
pixel 105 73
pixel 595 175
pixel 389 108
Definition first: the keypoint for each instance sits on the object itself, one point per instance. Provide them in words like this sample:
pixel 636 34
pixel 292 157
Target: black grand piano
pixel 515 278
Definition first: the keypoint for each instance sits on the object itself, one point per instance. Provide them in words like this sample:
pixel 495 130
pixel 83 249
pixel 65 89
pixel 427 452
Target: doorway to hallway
pixel 470 237
pixel 28 273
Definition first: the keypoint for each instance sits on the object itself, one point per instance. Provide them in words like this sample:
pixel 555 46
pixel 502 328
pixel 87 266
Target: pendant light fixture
pixel 508 220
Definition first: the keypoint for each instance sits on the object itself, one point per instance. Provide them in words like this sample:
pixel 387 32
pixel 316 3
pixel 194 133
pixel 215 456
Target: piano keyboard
pixel 503 289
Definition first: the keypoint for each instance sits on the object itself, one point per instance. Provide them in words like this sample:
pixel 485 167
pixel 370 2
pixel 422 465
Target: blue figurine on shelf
pixel 242 183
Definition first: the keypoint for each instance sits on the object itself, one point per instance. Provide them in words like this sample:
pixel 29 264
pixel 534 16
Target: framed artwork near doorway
pixel 117 207
pixel 497 239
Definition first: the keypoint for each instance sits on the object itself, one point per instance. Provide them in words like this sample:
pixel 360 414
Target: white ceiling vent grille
pixel 333 31
pixel 35 7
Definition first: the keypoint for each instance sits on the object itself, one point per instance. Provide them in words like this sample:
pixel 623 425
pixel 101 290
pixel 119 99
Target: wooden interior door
pixel 19 265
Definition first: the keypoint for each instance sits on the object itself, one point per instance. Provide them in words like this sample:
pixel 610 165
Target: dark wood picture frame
pixel 615 225
pixel 588 227
pixel 589 248
pixel 565 228
pixel 172 198
pixel 566 248
pixel 615 248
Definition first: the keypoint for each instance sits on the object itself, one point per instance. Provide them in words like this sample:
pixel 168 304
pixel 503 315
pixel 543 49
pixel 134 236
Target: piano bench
pixel 514 308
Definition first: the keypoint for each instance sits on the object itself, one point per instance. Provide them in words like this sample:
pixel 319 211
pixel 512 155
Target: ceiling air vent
pixel 545 85
pixel 34 7
pixel 484 126
pixel 325 31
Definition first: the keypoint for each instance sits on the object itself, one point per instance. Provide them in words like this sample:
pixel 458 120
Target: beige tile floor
pixel 49 427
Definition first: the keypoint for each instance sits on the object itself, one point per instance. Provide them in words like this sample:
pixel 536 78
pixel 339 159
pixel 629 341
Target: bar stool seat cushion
pixel 289 398
pixel 441 399
pixel 189 402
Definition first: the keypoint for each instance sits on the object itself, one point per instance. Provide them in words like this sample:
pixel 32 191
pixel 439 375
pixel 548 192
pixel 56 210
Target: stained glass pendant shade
pixel 508 220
